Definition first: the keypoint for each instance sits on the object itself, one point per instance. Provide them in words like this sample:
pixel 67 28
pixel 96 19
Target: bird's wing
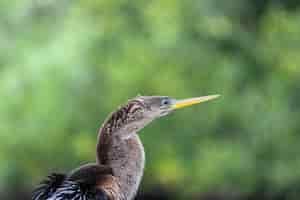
pixel 72 190
pixel 81 184
pixel 48 187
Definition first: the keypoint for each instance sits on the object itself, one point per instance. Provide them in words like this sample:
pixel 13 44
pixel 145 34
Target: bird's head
pixel 140 111
pixel 152 107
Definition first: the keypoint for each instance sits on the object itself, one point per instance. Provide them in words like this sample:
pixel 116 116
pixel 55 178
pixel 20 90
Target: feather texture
pixel 81 184
pixel 48 187
pixel 68 190
pixel 71 190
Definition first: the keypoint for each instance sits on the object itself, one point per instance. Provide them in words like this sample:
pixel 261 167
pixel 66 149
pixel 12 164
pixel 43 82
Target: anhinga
pixel 119 166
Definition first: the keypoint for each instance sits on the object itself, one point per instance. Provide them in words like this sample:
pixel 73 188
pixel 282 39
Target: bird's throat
pixel 126 158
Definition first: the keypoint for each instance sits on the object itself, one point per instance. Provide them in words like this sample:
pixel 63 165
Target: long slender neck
pixel 120 148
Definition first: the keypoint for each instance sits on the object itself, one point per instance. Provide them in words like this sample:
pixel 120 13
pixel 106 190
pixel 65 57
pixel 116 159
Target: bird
pixel 120 158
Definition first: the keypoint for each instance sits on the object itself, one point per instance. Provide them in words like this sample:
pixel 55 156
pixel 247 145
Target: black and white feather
pixel 54 189
pixel 48 187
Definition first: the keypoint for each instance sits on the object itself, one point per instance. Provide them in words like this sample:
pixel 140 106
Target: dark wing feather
pixel 81 184
pixel 71 190
pixel 48 187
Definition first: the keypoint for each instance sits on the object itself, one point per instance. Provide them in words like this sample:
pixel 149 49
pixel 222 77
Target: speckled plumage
pixel 118 148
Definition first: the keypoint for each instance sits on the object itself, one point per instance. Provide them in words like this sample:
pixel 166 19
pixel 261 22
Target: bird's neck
pixel 123 151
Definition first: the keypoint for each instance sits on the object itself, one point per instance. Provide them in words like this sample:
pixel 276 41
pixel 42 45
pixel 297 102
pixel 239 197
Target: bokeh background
pixel 66 64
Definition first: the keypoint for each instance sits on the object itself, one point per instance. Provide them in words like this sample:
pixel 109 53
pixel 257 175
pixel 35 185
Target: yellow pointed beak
pixel 191 101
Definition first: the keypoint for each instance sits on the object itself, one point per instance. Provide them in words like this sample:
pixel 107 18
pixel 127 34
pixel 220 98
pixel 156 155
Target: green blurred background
pixel 66 64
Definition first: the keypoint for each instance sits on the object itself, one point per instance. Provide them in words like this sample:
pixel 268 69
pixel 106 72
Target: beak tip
pixel 210 97
pixel 217 96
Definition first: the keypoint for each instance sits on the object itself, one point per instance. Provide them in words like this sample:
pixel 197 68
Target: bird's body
pixel 120 158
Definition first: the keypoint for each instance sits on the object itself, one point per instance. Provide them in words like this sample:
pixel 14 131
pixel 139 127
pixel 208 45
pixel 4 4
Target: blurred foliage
pixel 65 65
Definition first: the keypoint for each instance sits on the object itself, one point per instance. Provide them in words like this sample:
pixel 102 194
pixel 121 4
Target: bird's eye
pixel 165 102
